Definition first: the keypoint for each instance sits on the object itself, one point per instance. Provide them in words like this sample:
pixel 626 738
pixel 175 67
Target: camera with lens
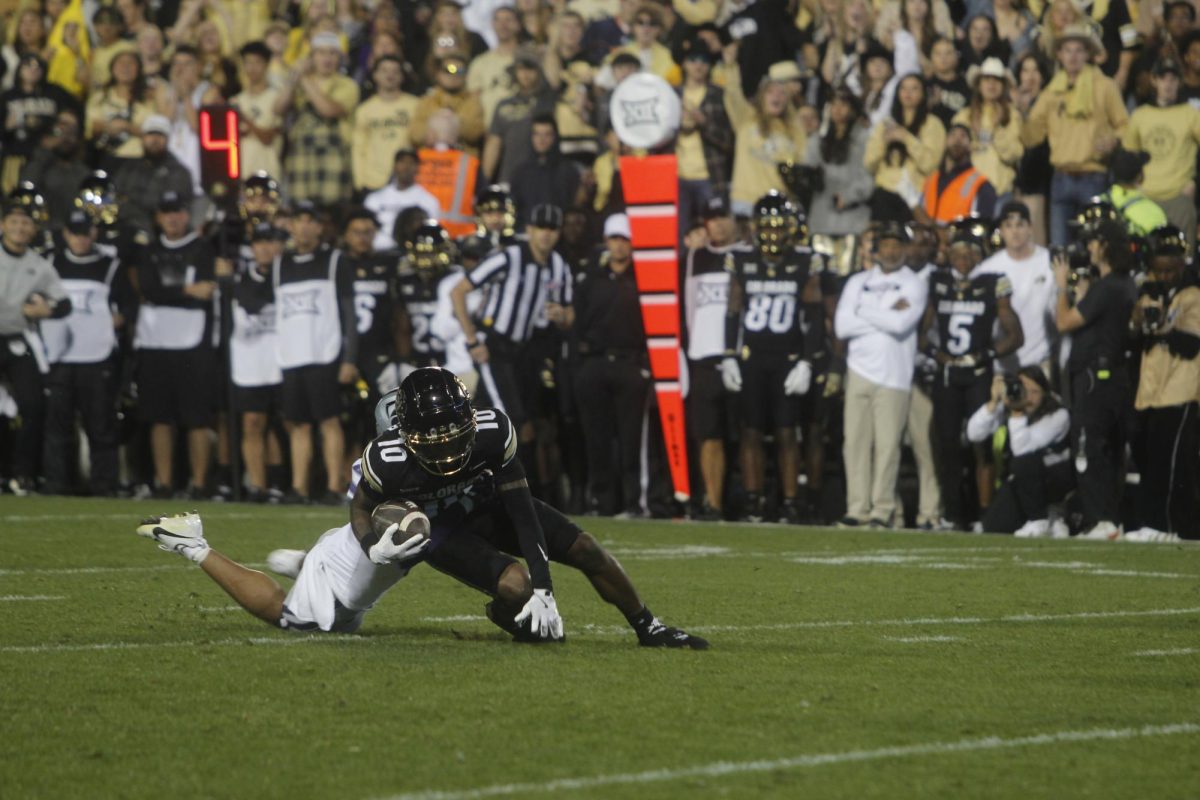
pixel 802 180
pixel 1153 316
pixel 1014 390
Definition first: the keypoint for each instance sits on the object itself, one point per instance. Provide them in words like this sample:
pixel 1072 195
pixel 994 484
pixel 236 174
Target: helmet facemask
pixel 444 450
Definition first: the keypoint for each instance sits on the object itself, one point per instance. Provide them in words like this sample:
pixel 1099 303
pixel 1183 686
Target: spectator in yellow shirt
pixel 1169 130
pixel 995 125
pixel 903 151
pixel 1081 112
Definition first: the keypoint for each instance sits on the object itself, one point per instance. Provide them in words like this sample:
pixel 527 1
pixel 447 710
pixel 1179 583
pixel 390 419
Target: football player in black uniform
pixel 965 306
pixel 374 317
pixel 459 465
pixel 496 215
pixel 774 327
pixel 429 256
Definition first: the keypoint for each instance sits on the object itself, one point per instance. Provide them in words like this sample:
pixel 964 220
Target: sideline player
pixel 459 465
pixel 965 306
pixel 774 328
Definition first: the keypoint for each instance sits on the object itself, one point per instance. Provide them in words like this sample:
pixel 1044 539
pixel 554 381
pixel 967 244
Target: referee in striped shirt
pixel 527 283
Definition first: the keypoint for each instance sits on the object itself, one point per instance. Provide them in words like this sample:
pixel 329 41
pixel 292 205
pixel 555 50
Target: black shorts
pixel 705 401
pixel 312 393
pixel 259 399
pixel 176 387
pixel 763 402
pixel 478 550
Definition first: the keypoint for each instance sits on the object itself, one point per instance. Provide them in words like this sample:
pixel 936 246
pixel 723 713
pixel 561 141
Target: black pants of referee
pixel 1027 493
pixel 89 391
pixel 957 393
pixel 1098 409
pixel 20 368
pixel 611 391
pixel 1169 463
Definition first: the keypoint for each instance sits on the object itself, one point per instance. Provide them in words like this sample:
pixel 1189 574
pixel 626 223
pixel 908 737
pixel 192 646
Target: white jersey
pixel 1033 300
pixel 254 347
pixel 307 318
pixel 337 585
pixel 445 325
pixel 86 335
pixel 705 300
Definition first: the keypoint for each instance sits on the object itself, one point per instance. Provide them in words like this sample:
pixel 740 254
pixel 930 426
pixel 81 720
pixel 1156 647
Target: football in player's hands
pixel 407 517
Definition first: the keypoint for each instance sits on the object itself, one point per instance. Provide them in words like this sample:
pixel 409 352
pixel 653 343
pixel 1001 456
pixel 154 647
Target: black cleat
pixel 659 635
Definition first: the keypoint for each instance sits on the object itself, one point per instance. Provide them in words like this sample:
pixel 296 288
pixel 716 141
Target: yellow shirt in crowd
pixel 381 127
pixel 994 151
pixel 260 109
pixel 1170 135
pixel 1073 118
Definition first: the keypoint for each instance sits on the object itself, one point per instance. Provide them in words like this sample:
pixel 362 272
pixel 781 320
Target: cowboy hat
pixel 991 67
pixel 1081 32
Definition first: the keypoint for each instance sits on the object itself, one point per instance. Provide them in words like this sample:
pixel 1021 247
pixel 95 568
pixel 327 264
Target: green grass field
pixel 843 664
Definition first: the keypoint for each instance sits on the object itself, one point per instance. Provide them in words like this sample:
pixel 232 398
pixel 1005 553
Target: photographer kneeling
pixel 1038 447
pixel 1166 320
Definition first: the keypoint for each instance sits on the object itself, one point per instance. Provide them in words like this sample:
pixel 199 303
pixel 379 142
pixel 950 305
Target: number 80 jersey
pixel 966 309
pixel 773 294
pixel 390 472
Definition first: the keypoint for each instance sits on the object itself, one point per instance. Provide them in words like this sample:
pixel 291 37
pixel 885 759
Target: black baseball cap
pixel 302 207
pixel 545 215
pixel 893 229
pixel 172 200
pixel 266 232
pixel 1165 65
pixel 406 152
pixel 78 221
pixel 1015 207
pixel 717 206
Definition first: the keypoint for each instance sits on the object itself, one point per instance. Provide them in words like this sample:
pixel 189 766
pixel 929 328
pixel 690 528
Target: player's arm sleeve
pixel 489 268
pixel 733 313
pixel 518 504
pixel 344 278
pixel 812 313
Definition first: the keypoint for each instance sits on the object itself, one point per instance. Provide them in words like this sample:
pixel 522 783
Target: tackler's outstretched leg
pixel 254 591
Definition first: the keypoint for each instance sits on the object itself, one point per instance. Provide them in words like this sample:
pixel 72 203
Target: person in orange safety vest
pixel 957 189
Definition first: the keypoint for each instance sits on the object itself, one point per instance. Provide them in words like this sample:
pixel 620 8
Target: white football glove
pixel 799 379
pixel 386 551
pixel 542 613
pixel 731 374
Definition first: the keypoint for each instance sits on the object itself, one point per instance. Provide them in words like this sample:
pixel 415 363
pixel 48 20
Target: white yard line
pixel 179 566
pixel 218 608
pixel 252 641
pixel 133 519
pixel 1178 651
pixel 922 639
pixel 720 769
pixel 621 630
pixel 13 598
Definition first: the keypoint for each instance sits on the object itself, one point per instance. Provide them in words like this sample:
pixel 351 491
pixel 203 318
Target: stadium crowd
pixel 867 190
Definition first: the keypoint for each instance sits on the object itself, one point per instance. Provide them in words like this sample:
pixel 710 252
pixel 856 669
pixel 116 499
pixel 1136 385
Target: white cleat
pixel 177 533
pixel 1034 529
pixel 1059 530
pixel 1103 531
pixel 1152 536
pixel 286 562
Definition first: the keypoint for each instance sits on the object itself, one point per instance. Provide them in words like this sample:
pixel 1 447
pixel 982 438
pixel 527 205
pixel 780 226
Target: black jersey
pixel 374 302
pixel 390 472
pixel 966 310
pixel 772 313
pixel 419 293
